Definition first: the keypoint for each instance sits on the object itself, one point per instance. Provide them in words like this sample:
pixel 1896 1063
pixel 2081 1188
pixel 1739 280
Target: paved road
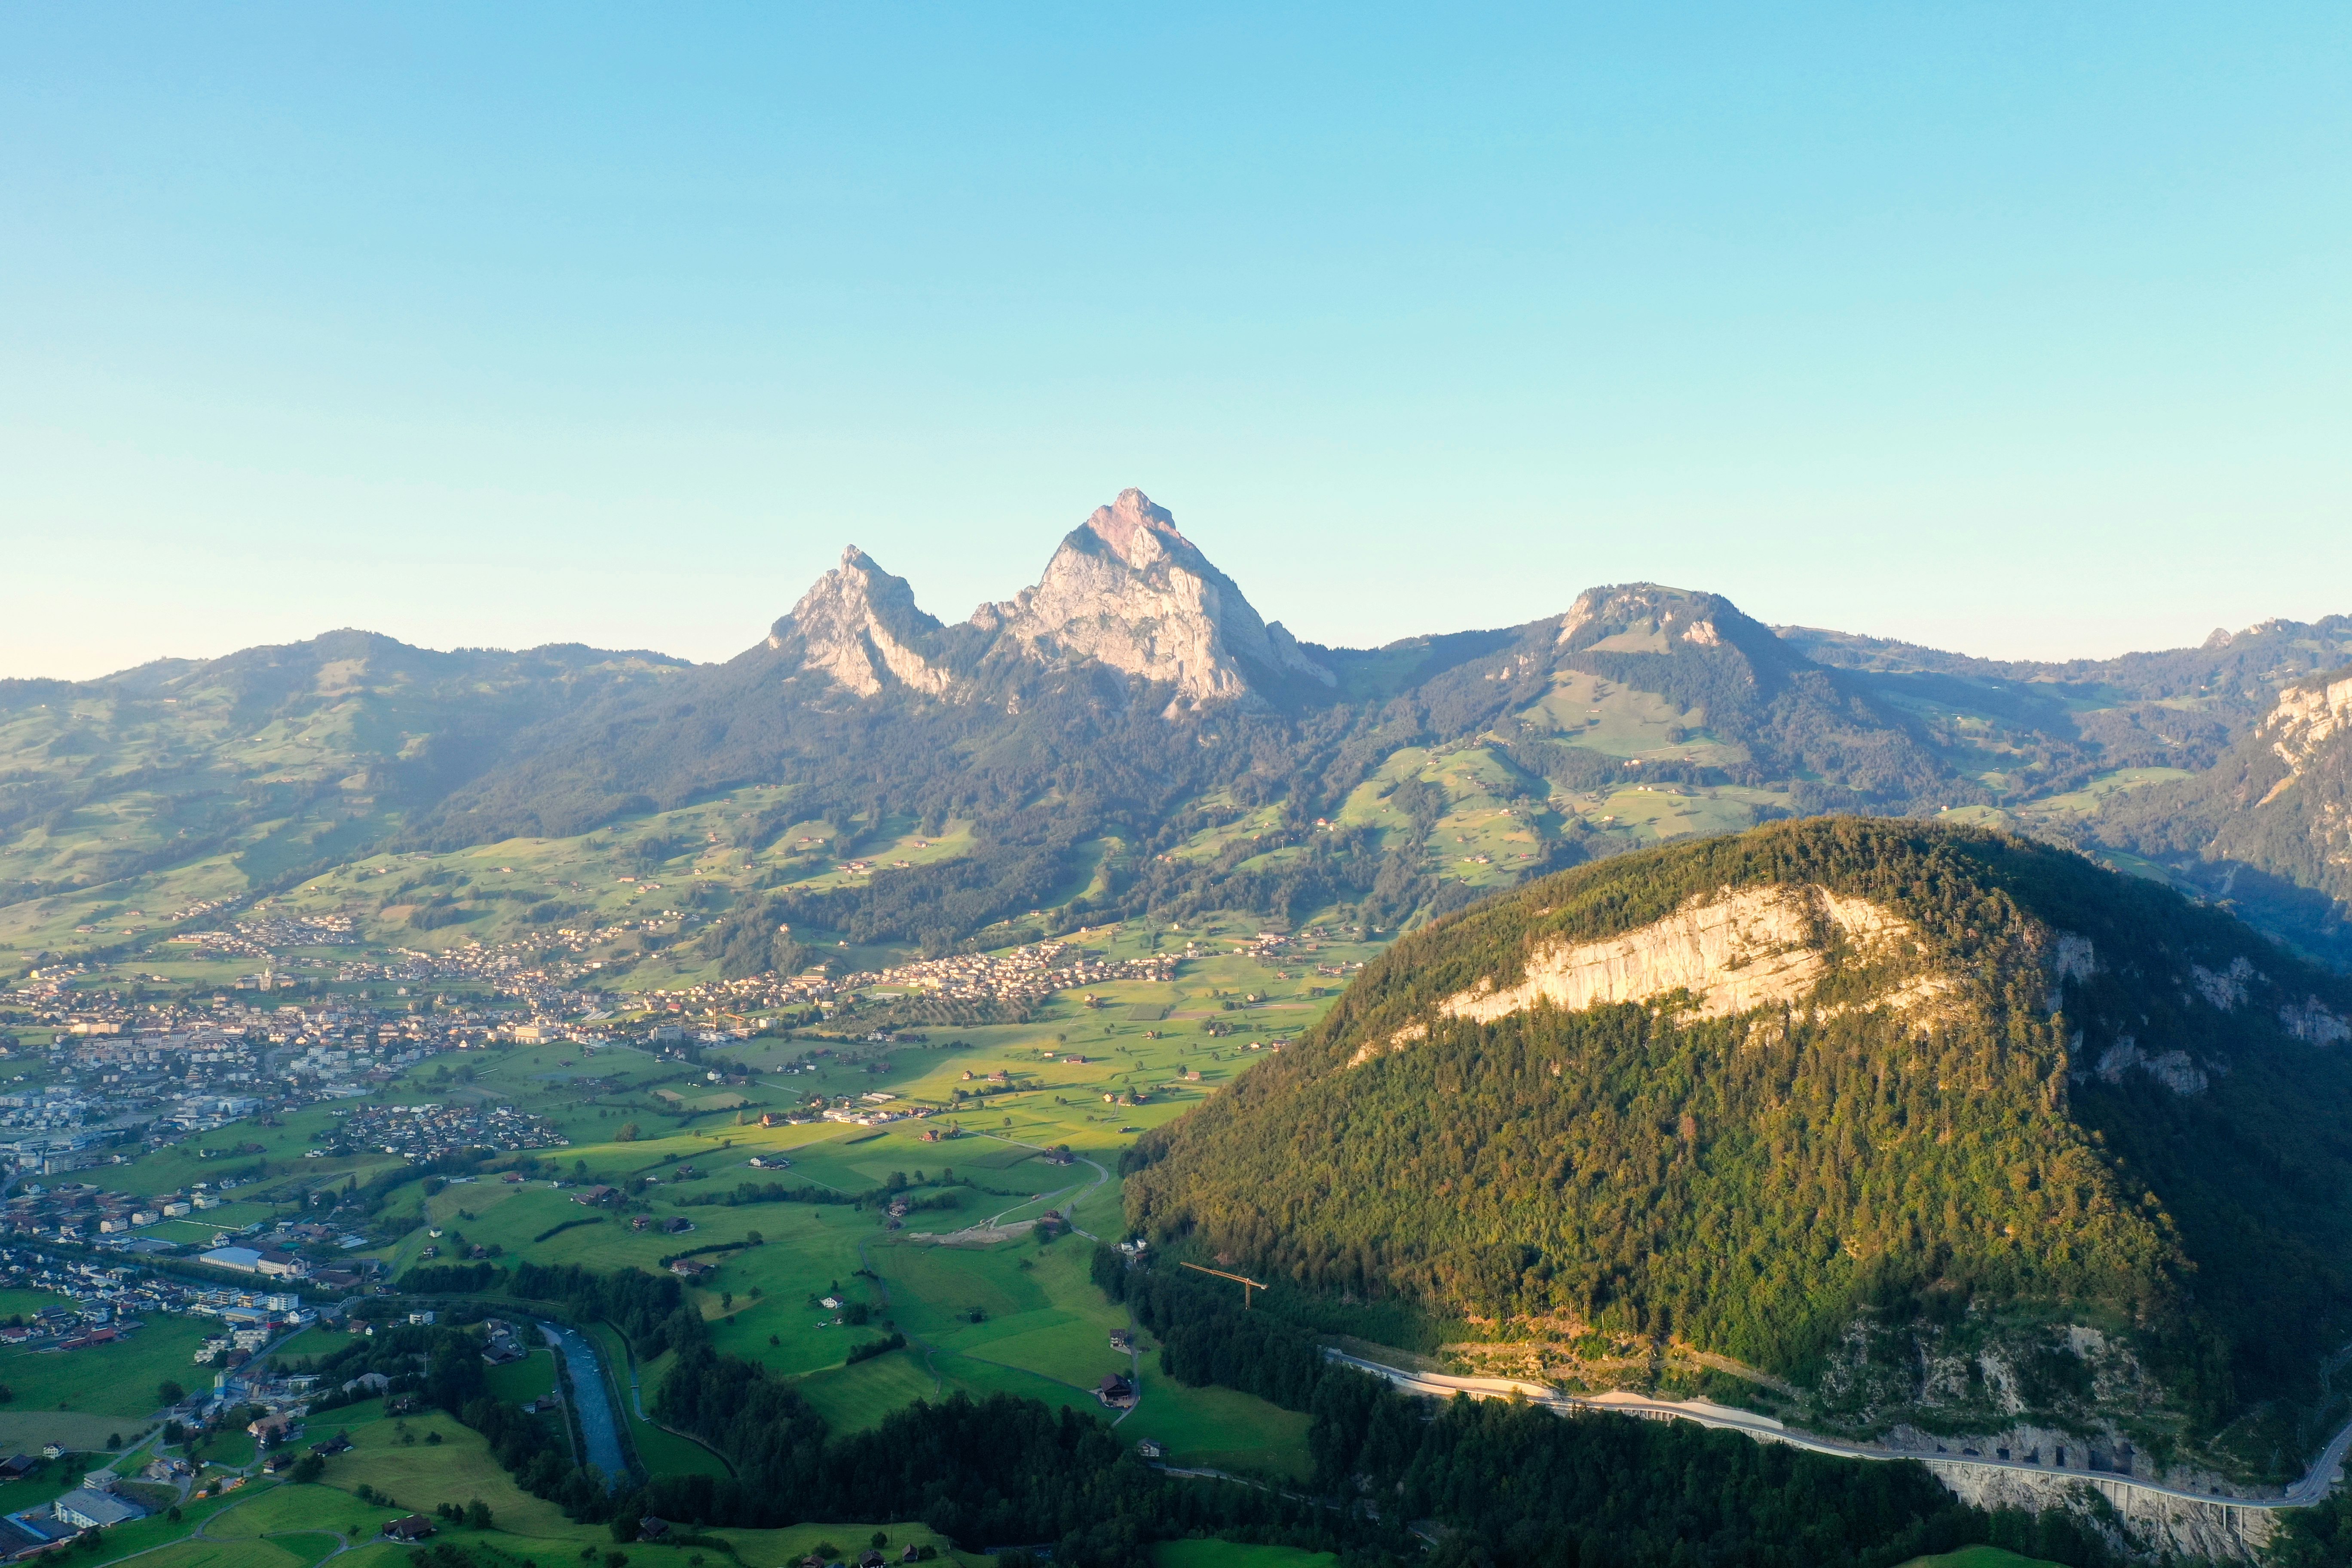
pixel 2313 1487
pixel 993 1229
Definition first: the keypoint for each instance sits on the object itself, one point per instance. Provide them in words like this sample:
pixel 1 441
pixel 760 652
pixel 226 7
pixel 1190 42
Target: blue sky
pixel 2017 328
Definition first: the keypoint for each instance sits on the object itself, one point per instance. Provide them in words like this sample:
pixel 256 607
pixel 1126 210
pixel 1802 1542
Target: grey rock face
pixel 1126 591
pixel 860 625
pixel 1129 591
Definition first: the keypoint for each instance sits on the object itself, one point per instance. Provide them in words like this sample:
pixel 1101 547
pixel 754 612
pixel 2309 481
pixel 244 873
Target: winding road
pixel 2311 1489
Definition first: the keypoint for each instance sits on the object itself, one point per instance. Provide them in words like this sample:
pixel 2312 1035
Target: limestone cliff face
pixel 860 625
pixel 1128 591
pixel 2297 821
pixel 1644 617
pixel 2308 717
pixel 1733 952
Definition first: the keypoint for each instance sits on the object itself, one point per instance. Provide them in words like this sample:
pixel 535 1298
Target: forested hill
pixel 1936 1124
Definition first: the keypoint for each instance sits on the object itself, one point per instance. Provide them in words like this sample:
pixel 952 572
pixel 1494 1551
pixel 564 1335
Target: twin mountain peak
pixel 1126 591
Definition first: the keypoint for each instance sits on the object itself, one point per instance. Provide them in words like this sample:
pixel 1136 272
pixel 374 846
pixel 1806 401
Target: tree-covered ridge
pixel 1752 1185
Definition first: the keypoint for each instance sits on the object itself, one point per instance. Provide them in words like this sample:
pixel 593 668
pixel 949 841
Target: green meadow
pixel 423 1461
pixel 117 1381
pixel 1212 1554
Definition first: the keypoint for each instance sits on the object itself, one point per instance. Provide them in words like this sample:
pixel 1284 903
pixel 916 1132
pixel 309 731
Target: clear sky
pixel 2020 328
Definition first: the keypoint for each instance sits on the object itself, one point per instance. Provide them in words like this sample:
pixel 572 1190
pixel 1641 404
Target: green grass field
pixel 1979 1557
pixel 25 1304
pixel 1218 1428
pixel 209 1554
pixel 1215 1554
pixel 853 1398
pixel 298 1523
pixel 112 1380
pixel 523 1380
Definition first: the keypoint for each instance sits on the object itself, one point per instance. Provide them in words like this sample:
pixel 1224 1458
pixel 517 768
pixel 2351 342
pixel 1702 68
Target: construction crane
pixel 1246 1284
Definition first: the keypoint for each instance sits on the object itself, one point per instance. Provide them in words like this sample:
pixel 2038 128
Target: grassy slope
pixel 1215 1554
pixel 1979 1557
pixel 116 1379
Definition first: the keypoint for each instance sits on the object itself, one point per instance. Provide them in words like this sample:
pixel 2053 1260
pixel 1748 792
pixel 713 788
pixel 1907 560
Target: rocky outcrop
pixel 1128 591
pixel 860 625
pixel 1644 617
pixel 2311 1022
pixel 2138 1523
pixel 1737 952
pixel 2173 1069
pixel 2307 716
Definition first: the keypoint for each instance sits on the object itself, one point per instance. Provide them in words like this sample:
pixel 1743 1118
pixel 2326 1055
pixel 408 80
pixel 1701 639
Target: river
pixel 599 1428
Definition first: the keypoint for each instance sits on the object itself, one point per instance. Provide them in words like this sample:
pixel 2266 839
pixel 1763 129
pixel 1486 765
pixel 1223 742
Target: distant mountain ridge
pixel 1133 712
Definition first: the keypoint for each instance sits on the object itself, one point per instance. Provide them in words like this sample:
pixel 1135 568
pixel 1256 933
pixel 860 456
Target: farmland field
pixel 1233 1554
pixel 1025 1119
pixel 111 1380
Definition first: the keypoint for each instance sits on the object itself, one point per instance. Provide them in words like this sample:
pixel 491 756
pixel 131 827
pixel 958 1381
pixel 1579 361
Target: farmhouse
pixel 274 1428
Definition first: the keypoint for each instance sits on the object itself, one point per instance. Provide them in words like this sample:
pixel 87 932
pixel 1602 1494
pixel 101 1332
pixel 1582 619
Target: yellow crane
pixel 1246 1284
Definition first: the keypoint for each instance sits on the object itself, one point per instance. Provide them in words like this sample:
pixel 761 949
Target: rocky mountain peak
pixel 861 626
pixel 1647 617
pixel 1138 532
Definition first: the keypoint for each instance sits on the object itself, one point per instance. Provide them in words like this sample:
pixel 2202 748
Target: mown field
pixel 1215 1554
pixel 118 1382
pixel 423 1461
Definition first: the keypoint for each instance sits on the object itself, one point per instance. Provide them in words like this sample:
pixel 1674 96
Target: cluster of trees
pixel 451 1278
pixel 2318 1536
pixel 1204 1339
pixel 1750 1184
pixel 744 1193
pixel 650 1309
pixel 450 1376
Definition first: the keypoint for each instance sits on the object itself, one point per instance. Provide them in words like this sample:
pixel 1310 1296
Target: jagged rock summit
pixel 1125 591
pixel 861 626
